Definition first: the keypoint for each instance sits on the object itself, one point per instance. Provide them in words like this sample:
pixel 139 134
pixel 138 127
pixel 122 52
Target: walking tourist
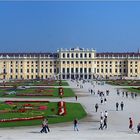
pixel 96 107
pixel 105 100
pixel 138 128
pixel 130 124
pixel 135 95
pixel 123 94
pixel 91 91
pixel 101 115
pixel 132 95
pixel 126 93
pixel 44 124
pixel 118 93
pixel 48 129
pixel 101 123
pixel 75 122
pixel 101 100
pixel 107 92
pixel 106 114
pixel 122 105
pixel 117 105
pixel 105 123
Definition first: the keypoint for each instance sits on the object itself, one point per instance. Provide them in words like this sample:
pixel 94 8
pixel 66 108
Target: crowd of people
pixel 127 94
pixel 103 96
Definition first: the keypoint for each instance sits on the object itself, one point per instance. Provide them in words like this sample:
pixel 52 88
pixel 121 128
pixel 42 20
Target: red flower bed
pixel 49 90
pixel 27 105
pixel 22 110
pixel 22 119
pixel 43 90
pixel 9 103
pixel 22 101
pixel 43 108
pixel 34 94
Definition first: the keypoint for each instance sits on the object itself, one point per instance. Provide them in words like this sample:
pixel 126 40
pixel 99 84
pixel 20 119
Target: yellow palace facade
pixel 69 64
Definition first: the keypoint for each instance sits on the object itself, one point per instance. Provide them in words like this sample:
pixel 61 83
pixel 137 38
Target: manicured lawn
pixel 124 82
pixel 74 110
pixel 35 83
pixel 133 89
pixel 68 92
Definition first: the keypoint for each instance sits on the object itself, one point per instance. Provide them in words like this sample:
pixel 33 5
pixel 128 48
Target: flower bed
pixel 22 101
pixel 43 90
pixel 22 119
pixel 34 94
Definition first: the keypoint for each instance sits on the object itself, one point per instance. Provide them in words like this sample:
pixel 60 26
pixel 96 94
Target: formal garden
pixel 31 112
pixel 27 113
pixel 35 92
pixel 17 83
pixel 124 82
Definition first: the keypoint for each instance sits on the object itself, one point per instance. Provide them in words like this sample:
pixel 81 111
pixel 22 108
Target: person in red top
pixel 130 124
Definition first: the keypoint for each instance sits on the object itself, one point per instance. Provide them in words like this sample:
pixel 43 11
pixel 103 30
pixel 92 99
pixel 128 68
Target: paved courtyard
pixel 118 121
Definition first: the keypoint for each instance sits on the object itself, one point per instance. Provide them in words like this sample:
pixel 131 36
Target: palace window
pixel 89 70
pixel 68 70
pixel 72 70
pixel 16 70
pixel 63 70
pixel 63 55
pixel 72 55
pixel 27 70
pixel 89 55
pixel 124 70
pixel 76 70
pixel 21 70
pixel 68 55
pixel 85 55
pixel 81 70
pixel 85 70
pixel 102 70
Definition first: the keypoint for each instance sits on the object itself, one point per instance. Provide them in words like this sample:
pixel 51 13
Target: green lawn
pixel 74 110
pixel 124 82
pixel 133 90
pixel 68 92
pixel 36 83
